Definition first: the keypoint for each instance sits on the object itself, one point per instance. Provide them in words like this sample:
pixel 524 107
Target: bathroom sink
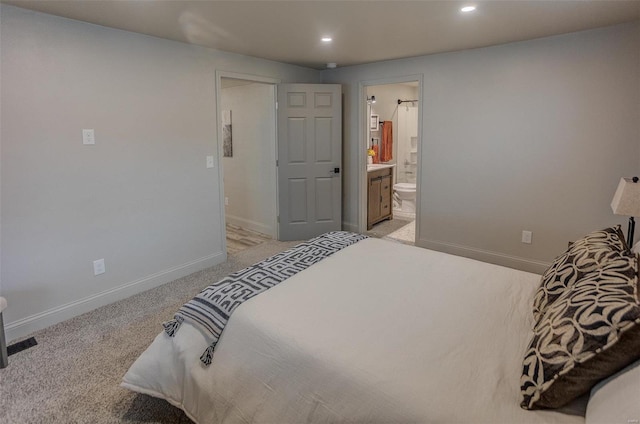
pixel 376 166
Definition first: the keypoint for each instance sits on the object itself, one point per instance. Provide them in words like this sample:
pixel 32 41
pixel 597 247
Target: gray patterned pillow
pixel 589 332
pixel 582 257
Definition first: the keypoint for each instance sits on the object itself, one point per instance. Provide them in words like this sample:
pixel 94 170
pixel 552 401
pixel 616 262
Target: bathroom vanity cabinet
pixel 379 195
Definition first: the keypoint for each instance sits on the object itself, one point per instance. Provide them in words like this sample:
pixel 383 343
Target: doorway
pixel 391 128
pixel 248 161
pixel 279 167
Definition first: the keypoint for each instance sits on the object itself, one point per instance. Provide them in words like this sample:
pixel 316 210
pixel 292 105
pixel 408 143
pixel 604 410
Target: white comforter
pixel 378 332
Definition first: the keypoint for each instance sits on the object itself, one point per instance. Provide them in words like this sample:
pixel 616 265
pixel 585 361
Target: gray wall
pixel 532 135
pixel 141 198
pixel 250 174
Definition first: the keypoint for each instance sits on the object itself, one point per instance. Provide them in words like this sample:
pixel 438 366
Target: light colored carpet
pixel 73 374
pixel 405 235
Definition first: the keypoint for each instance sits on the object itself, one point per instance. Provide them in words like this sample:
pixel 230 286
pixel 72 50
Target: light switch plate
pixel 88 136
pixel 209 161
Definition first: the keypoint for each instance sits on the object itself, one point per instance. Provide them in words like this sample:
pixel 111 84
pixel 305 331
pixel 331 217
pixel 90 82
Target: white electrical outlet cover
pixel 88 136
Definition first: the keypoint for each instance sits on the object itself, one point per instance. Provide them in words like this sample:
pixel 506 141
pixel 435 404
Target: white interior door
pixel 309 160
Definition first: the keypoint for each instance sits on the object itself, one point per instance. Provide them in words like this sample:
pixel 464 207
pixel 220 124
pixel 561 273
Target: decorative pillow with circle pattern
pixel 582 257
pixel 589 332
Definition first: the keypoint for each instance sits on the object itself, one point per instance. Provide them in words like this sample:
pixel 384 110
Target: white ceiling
pixel 363 31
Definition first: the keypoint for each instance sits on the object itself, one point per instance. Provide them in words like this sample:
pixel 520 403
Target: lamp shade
pixel 626 200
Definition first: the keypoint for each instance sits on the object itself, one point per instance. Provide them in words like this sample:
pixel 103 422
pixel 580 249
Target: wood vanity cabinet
pixel 379 191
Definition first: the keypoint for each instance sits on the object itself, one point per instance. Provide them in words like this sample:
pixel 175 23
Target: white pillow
pixel 616 399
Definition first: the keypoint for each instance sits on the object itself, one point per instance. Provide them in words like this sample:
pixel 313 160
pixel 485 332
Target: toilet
pixel 405 195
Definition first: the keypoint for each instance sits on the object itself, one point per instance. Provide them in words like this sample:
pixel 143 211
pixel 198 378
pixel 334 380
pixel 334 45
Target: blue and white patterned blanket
pixel 211 308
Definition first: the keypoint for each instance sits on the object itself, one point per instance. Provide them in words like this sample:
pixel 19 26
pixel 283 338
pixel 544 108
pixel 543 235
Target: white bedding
pixel 378 332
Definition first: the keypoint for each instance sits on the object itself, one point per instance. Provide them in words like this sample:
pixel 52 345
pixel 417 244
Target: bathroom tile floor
pixel 387 227
pixel 405 235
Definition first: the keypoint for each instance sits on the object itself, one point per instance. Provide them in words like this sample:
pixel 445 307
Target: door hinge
pixel 278 219
pixel 276 105
pixel 276 163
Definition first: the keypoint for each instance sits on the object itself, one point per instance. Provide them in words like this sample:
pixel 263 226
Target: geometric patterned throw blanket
pixel 211 308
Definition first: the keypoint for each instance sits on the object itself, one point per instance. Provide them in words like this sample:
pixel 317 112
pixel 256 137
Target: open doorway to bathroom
pixel 391 142
pixel 248 122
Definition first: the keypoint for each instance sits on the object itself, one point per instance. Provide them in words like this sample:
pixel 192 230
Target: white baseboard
pixel 348 226
pixel 28 325
pixel 248 224
pixel 523 264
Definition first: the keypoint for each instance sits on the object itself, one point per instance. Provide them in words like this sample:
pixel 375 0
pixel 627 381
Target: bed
pixel 376 332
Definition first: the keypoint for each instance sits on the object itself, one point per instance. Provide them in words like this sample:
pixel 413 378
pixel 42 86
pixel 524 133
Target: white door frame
pixel 363 122
pixel 219 149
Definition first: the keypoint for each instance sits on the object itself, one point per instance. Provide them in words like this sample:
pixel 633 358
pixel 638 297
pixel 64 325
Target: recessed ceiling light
pixel 327 39
pixel 467 9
